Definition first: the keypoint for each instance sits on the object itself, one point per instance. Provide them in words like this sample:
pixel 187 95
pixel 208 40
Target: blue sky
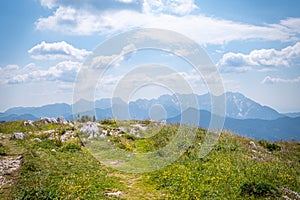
pixel 254 44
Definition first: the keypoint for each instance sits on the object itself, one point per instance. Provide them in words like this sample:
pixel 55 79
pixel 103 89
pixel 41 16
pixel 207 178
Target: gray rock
pixel 102 137
pixel 91 128
pixel 290 194
pixel 61 120
pixel 253 145
pixel 48 120
pixel 163 122
pixel 118 193
pixel 28 122
pixel 68 135
pixel 37 139
pixel 18 135
pixel 122 129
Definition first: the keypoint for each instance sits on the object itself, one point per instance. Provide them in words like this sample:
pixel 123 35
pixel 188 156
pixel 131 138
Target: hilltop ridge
pixel 58 164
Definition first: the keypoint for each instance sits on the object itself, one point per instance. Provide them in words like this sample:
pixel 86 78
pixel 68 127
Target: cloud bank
pixel 57 50
pixel 273 80
pixel 178 16
pixel 238 62
pixel 65 71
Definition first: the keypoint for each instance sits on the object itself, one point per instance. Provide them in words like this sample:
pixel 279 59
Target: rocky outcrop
pixel 59 120
pixel 91 128
pixel 18 135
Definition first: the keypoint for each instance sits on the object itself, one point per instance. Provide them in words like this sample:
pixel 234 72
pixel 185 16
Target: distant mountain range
pixel 243 115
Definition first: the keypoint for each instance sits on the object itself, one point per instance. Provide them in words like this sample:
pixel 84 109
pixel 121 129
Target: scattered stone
pixel 37 140
pixel 18 135
pixel 253 145
pixel 122 129
pixel 61 120
pixel 286 197
pixel 290 194
pixel 48 131
pixel 134 132
pixel 68 135
pixel 163 122
pixel 48 120
pixel 118 193
pixel 53 150
pixel 28 122
pixel 139 126
pixel 102 136
pixel 8 166
pixel 91 128
pixel 115 162
pixel 104 132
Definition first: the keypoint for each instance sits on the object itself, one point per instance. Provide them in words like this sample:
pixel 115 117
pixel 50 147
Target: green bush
pixel 2 150
pixel 29 166
pixel 260 189
pixel 130 137
pixel 109 122
pixel 48 144
pixel 269 146
pixel 39 194
pixel 86 118
pixel 71 146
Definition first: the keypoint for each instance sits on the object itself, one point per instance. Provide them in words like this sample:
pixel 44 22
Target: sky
pixel 255 46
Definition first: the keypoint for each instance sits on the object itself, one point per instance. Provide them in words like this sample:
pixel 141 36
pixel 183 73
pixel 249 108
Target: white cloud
pixel 285 57
pixel 172 15
pixel 126 1
pixel 291 24
pixel 48 3
pixel 9 71
pixel 104 61
pixel 267 70
pixel 57 50
pixel 179 7
pixel 65 71
pixel 273 80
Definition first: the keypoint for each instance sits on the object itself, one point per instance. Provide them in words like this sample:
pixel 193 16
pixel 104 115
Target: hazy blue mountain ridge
pixel 243 115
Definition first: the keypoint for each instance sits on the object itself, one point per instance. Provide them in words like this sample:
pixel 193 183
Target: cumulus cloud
pixel 179 7
pixel 291 25
pixel 10 71
pixel 126 1
pixel 93 5
pixel 285 57
pixel 57 50
pixel 65 71
pixel 173 15
pixel 273 80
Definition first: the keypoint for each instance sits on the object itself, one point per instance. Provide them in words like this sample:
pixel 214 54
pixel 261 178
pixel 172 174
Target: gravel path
pixel 8 165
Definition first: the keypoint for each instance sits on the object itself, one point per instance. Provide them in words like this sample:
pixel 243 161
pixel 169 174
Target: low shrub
pixel 270 146
pixel 39 194
pixel 2 150
pixel 71 146
pixel 260 189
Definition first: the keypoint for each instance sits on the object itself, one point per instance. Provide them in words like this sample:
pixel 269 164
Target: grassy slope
pixel 233 170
